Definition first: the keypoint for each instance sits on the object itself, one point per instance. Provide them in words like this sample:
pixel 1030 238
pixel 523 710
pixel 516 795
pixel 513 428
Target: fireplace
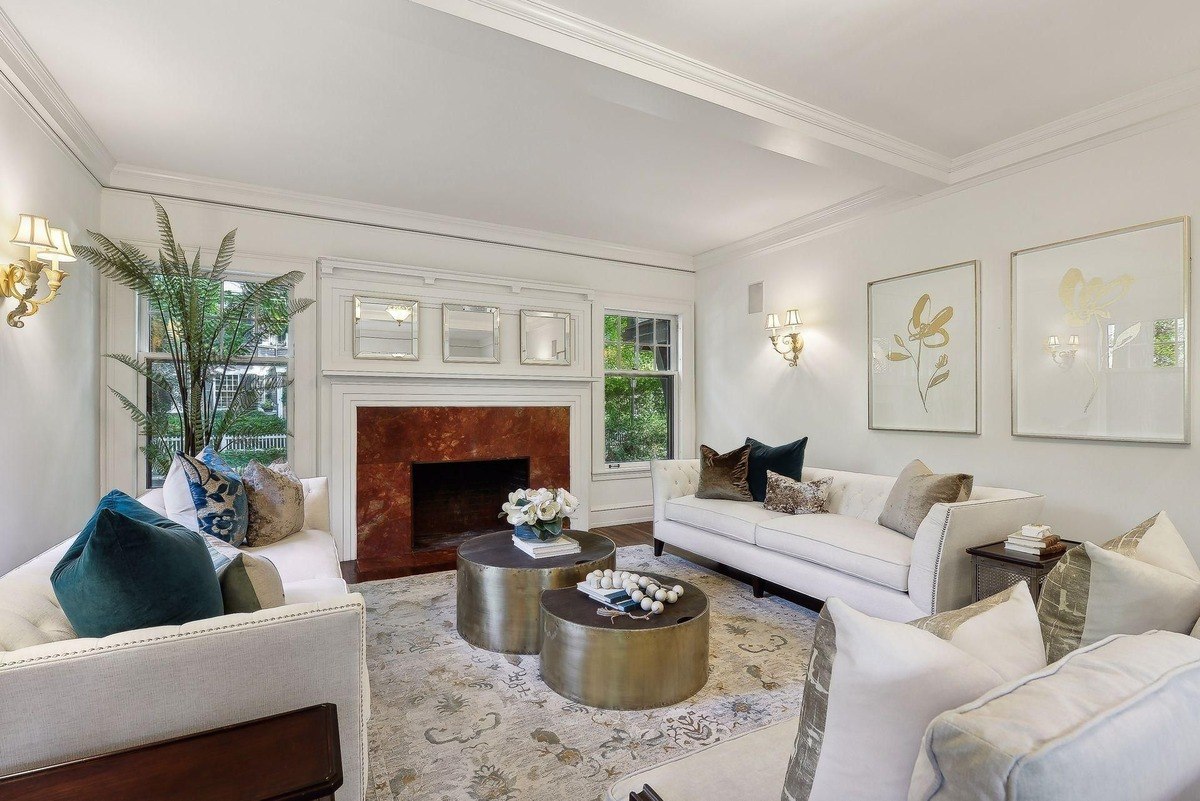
pixel 430 476
pixel 454 501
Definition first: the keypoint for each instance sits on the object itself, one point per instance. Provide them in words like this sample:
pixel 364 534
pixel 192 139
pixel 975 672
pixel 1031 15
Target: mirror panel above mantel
pixel 430 291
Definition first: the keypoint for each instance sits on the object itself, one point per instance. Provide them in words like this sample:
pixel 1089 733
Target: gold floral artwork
pixel 1087 300
pixel 931 334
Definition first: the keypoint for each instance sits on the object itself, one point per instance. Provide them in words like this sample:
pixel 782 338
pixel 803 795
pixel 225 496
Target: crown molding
pixel 22 67
pixel 249 197
pixel 1096 125
pixel 579 36
pixel 808 226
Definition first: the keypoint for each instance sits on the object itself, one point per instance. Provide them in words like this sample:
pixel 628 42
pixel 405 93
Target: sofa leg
pixel 658 547
pixel 756 585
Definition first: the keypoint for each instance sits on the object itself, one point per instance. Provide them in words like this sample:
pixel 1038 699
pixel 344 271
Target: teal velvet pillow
pixel 786 460
pixel 123 572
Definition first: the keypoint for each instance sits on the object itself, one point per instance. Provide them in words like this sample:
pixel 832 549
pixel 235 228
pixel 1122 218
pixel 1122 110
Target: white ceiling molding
pixel 25 71
pixel 817 223
pixel 1114 116
pixel 126 177
pixel 914 167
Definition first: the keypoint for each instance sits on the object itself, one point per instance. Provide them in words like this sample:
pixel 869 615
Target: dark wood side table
pixel 295 756
pixel 996 568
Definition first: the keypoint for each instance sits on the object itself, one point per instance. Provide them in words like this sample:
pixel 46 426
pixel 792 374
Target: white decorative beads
pixel 637 595
pixel 678 590
pixel 656 607
pixel 643 582
pixel 672 597
pixel 608 572
pixel 606 583
pixel 647 604
pixel 660 595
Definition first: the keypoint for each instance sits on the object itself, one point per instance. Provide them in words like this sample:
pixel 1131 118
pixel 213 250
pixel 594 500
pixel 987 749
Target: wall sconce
pixel 786 338
pixel 399 313
pixel 1064 357
pixel 48 247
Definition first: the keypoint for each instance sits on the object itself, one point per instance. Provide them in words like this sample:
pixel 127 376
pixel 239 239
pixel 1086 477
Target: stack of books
pixel 559 546
pixel 615 598
pixel 1035 541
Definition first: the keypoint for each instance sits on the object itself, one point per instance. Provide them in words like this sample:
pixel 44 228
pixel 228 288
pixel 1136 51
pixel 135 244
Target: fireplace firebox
pixel 454 501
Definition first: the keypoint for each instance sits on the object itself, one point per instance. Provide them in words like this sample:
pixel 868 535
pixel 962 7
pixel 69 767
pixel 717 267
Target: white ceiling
pixel 949 75
pixel 394 103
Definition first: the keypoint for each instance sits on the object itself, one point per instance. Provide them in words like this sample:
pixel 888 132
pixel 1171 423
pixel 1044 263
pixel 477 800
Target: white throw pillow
pixel 874 685
pixel 177 498
pixel 1144 579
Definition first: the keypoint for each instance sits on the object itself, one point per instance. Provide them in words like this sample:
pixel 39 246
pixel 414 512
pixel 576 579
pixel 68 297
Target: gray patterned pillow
pixel 276 504
pixel 248 583
pixel 793 497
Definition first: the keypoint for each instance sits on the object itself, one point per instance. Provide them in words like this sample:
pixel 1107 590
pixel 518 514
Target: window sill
pixel 641 470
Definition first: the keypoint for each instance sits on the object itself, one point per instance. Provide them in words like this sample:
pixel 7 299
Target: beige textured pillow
pixel 916 490
pixel 248 583
pixel 276 502
pixel 1142 580
pixel 723 475
pixel 796 497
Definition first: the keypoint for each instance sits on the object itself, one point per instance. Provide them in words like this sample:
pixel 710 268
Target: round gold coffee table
pixel 622 663
pixel 499 587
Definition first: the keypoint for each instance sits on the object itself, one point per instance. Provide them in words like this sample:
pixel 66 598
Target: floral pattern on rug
pixel 451 722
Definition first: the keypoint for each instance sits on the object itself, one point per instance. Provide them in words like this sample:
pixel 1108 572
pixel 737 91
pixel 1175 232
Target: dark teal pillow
pixel 123 572
pixel 786 460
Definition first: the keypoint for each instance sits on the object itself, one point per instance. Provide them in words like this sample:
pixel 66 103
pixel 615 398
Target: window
pixel 261 434
pixel 1166 347
pixel 640 375
pixel 1170 339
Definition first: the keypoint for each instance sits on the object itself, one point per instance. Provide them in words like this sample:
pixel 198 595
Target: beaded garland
pixel 643 590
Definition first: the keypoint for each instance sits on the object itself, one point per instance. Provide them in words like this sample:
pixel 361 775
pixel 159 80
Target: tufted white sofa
pixel 844 553
pixel 64 697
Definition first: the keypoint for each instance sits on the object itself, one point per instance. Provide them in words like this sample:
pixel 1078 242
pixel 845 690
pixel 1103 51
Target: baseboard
pixel 620 514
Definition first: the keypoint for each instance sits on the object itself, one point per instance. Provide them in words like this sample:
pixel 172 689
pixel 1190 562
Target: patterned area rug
pixel 451 722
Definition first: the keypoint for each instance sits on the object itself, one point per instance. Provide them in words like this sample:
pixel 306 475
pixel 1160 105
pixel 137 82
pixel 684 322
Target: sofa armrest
pixel 77 698
pixel 672 478
pixel 316 503
pixel 940 576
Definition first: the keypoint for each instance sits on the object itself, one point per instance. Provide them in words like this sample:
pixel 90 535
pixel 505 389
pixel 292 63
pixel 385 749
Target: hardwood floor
pixel 628 534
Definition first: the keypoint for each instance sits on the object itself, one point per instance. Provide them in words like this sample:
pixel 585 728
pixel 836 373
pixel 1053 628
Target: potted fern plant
pixel 212 336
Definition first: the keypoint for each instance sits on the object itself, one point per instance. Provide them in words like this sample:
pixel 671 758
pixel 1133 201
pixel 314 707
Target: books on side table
pixel 1035 540
pixel 616 598
pixel 559 546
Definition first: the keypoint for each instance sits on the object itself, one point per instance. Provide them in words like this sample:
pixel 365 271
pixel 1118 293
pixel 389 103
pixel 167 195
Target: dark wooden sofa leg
pixel 658 547
pixel 756 584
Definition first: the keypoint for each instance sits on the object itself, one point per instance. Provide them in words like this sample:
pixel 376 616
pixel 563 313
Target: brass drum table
pixel 620 662
pixel 500 587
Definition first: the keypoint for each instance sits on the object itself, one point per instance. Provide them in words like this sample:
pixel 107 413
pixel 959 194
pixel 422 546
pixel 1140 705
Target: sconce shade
pixel 60 248
pixel 772 321
pixel 792 317
pixel 33 232
pixel 1073 340
pixel 1052 341
pixel 399 313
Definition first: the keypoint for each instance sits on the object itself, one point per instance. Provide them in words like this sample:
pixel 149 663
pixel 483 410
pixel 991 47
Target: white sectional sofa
pixel 844 553
pixel 64 698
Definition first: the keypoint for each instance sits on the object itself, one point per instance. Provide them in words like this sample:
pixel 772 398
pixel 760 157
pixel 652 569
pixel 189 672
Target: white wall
pixel 295 242
pixel 49 468
pixel 1094 490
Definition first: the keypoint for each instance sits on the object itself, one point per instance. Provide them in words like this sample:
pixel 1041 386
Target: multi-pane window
pixel 1170 340
pixel 259 434
pixel 640 374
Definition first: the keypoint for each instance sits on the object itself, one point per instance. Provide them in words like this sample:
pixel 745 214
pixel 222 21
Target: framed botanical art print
pixel 1100 336
pixel 924 365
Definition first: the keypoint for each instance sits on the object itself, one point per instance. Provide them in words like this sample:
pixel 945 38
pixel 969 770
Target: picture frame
pixel 386 327
pixel 546 338
pixel 470 334
pixel 923 335
pixel 1101 335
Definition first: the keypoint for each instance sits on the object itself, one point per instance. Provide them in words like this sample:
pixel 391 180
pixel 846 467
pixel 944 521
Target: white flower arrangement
pixel 541 510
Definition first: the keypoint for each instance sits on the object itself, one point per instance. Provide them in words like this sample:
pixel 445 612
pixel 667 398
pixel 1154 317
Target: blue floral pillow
pixel 218 495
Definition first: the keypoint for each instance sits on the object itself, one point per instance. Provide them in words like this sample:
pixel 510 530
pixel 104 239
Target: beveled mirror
pixel 470 333
pixel 545 337
pixel 386 328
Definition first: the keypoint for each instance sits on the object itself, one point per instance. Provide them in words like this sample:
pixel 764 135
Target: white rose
pixel 568 502
pixel 548 509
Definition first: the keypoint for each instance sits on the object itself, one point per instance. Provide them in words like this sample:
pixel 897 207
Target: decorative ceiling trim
pixel 820 221
pixel 579 36
pixel 130 178
pixel 22 67
pixel 1142 106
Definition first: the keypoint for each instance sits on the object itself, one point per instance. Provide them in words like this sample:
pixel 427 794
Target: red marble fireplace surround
pixel 391 438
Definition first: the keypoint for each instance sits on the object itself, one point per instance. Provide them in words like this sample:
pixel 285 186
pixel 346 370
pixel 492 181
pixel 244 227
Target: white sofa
pixel 64 698
pixel 844 553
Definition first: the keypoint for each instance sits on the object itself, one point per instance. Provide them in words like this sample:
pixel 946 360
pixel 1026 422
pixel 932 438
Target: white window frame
pixel 683 386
